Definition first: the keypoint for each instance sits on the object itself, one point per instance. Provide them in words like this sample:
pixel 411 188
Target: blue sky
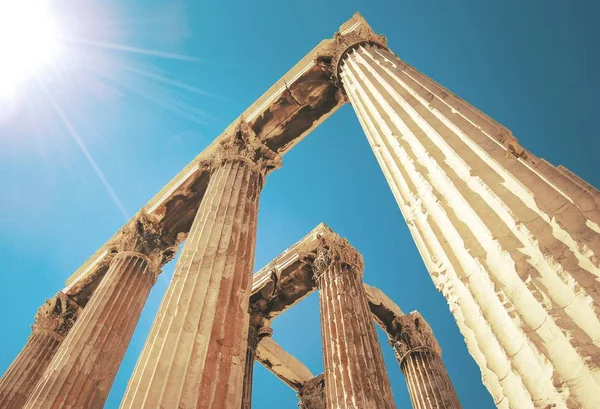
pixel 530 65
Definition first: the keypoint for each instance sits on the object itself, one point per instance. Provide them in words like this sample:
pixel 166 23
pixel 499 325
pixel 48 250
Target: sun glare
pixel 59 60
pixel 29 42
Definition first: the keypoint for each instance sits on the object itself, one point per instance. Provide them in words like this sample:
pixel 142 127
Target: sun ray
pixel 169 81
pixel 73 133
pixel 170 104
pixel 132 49
pixel 165 101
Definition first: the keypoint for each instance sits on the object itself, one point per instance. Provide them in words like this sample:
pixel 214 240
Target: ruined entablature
pixel 57 315
pixel 145 236
pixel 352 34
pixel 240 143
pixel 511 143
pixel 336 250
pixel 413 334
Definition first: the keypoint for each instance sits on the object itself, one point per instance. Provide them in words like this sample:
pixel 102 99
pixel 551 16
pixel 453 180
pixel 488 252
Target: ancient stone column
pixel 510 240
pixel 258 330
pixel 195 354
pixel 420 359
pixel 82 371
pixel 53 321
pixel 312 394
pixel 355 374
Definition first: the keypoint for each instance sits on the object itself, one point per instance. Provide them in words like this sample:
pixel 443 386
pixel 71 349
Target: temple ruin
pixel 510 240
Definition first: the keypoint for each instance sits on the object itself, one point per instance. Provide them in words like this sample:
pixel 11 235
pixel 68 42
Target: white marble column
pixel 420 358
pixel 195 354
pixel 511 241
pixel 355 374
pixel 84 367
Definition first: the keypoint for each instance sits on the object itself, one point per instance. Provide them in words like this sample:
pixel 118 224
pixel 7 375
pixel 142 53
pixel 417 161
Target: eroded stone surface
pixel 53 321
pixel 259 329
pixel 287 112
pixel 84 367
pixel 312 394
pixel 420 358
pixel 510 241
pixel 195 354
pixel 355 375
pixel 283 365
pixel 288 278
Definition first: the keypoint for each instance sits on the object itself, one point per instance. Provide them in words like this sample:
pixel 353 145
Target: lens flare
pixel 29 41
pixel 59 60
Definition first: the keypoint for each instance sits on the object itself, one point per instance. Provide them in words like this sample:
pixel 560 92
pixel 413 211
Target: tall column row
pixel 84 367
pixel 52 323
pixel 511 241
pixel 195 354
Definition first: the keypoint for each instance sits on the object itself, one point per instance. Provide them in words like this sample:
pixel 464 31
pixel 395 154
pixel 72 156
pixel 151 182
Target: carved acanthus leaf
pixel 243 144
pixel 334 249
pixel 57 315
pixel 332 55
pixel 414 333
pixel 312 394
pixel 145 235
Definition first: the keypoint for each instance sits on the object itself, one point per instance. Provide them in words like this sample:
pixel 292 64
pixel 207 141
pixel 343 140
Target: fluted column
pixel 420 359
pixel 511 241
pixel 84 367
pixel 195 354
pixel 53 322
pixel 312 394
pixel 258 330
pixel 355 374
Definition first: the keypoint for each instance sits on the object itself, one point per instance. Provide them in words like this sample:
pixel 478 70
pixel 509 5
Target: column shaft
pixel 27 368
pixel 509 235
pixel 355 374
pixel 195 354
pixel 52 322
pixel 84 367
pixel 255 334
pixel 420 359
pixel 248 375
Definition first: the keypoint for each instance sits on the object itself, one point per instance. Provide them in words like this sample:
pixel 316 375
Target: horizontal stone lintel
pixel 296 104
pixel 283 365
pixel 280 285
pixel 292 371
pixel 287 280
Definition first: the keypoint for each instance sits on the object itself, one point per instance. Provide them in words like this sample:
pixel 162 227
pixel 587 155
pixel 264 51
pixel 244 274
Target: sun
pixel 29 42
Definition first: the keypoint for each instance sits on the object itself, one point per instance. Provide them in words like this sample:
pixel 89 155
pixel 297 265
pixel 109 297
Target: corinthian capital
pixel 57 315
pixel 242 144
pixel 144 235
pixel 414 333
pixel 352 34
pixel 312 394
pixel 336 250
